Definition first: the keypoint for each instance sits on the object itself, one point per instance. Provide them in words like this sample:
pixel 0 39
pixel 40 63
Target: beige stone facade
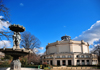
pixel 1 55
pixel 69 52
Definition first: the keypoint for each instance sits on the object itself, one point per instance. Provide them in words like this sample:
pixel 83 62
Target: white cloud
pixel 1 17
pixel 21 4
pixel 4 25
pixel 41 48
pixel 91 34
pixel 35 50
pixel 40 54
pixel 4 43
pixel 97 42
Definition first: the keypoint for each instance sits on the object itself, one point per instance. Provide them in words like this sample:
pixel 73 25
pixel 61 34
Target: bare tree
pixel 96 50
pixel 29 41
pixel 4 11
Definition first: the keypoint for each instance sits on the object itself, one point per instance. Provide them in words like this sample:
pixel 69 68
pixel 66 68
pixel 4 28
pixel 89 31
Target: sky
pixel 49 20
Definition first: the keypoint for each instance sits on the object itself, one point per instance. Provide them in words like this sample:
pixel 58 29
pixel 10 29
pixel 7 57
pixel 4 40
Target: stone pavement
pixel 74 69
pixel 21 69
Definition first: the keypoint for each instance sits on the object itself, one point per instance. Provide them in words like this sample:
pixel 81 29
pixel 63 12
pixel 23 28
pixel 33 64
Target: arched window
pixel 77 56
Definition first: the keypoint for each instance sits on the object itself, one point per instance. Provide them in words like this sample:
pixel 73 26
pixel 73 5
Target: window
pixel 58 56
pixel 78 62
pixel 51 57
pixel 63 56
pixel 82 56
pixel 69 56
pixel 87 56
pixel 47 61
pixel 77 56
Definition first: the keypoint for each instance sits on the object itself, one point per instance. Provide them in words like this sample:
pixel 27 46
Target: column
pixel 90 61
pixel 85 62
pixel 72 62
pixel 49 62
pixel 61 62
pixel 75 61
pixel 53 59
pixel 80 62
pixel 66 62
pixel 97 62
pixel 55 62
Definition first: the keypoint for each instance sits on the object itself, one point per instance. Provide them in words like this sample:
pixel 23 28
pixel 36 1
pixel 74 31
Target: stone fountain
pixel 15 51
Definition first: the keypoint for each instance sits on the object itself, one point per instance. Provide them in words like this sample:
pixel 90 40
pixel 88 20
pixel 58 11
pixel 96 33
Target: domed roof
pixel 65 38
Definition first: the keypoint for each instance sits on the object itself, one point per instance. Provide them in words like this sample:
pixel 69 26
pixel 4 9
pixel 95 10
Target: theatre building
pixel 69 52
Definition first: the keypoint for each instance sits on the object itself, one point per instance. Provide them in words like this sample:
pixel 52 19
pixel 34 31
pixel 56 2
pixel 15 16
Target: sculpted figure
pixel 16 38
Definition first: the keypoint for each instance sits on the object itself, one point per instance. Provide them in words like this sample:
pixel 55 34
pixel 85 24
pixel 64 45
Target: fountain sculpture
pixel 16 52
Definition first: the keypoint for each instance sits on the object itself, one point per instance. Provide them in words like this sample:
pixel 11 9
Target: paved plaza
pixel 21 68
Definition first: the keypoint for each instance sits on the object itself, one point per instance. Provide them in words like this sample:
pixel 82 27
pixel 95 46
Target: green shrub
pixel 23 61
pixel 5 64
pixel 30 66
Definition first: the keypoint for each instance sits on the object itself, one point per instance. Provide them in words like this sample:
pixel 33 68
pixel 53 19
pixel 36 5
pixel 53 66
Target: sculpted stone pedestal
pixel 15 65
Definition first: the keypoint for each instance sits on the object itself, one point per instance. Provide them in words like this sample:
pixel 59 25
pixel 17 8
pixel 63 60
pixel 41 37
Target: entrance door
pixel 69 62
pixel 83 62
pixel 50 62
pixel 63 62
pixel 58 62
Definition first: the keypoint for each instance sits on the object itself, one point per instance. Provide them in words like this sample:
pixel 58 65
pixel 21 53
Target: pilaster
pixel 82 46
pixel 70 46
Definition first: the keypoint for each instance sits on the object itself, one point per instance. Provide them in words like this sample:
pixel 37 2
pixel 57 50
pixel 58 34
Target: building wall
pixel 77 48
pixel 92 59
pixel 64 48
pixel 52 49
pixel 85 49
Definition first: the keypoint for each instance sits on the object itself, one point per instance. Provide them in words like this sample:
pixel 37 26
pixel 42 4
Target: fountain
pixel 15 51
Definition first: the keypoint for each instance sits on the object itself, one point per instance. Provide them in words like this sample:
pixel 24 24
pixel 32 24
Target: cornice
pixel 67 42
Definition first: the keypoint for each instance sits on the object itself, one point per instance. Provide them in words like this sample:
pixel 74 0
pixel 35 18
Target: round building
pixel 69 52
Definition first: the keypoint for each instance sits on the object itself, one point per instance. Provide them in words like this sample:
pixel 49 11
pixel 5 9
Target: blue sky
pixel 48 20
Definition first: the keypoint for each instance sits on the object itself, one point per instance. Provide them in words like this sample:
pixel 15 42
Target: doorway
pixel 63 62
pixel 58 62
pixel 69 62
pixel 51 62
